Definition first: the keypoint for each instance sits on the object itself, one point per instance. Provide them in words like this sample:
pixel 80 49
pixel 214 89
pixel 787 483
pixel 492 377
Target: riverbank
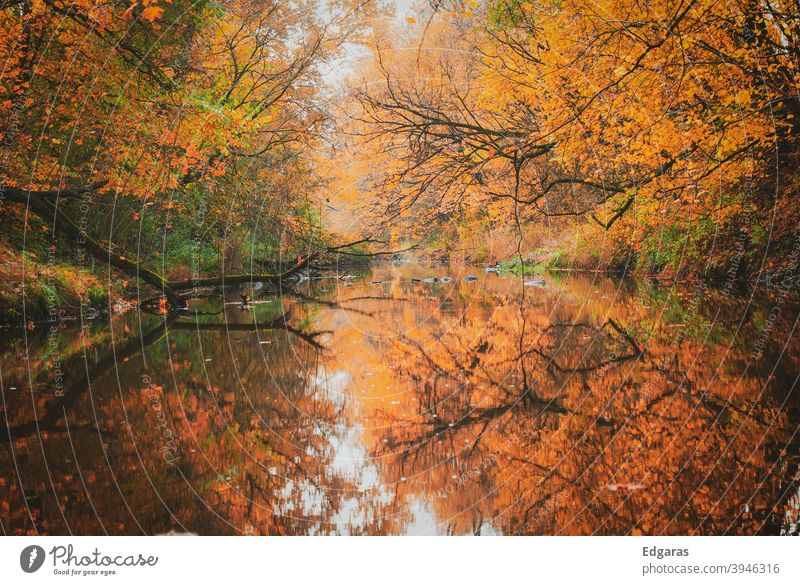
pixel 37 289
pixel 748 255
pixel 60 289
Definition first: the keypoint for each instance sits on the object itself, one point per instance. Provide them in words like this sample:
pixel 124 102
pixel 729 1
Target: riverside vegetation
pixel 152 144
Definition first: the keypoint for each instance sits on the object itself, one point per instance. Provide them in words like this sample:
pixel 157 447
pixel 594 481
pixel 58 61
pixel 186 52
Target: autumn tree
pixel 603 114
pixel 165 118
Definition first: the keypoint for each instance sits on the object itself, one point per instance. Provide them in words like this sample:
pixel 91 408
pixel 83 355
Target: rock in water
pixel 536 282
pixel 446 279
pixel 470 278
pixel 431 280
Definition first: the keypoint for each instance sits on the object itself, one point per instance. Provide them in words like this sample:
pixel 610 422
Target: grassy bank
pixel 42 289
pixel 755 241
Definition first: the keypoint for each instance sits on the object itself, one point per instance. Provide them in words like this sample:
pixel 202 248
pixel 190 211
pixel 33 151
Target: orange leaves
pixel 656 110
pixel 152 13
pixel 150 10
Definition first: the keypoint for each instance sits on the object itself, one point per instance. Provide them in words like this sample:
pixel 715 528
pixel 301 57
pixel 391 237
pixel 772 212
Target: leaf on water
pixel 624 487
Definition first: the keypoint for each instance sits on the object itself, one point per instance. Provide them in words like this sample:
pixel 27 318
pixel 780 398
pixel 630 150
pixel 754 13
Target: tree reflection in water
pixel 587 406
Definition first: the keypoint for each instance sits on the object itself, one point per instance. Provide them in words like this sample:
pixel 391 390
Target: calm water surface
pixel 586 405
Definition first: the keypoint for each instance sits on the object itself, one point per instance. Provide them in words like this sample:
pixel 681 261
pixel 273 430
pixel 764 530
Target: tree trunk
pixel 240 278
pixel 41 204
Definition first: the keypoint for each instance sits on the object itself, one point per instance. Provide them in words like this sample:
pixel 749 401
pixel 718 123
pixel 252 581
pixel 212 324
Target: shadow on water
pixel 410 401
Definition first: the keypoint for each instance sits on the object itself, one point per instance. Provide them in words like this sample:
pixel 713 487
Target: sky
pixel 338 70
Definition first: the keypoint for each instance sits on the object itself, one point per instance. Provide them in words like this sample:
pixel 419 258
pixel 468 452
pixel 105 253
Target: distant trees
pixel 603 112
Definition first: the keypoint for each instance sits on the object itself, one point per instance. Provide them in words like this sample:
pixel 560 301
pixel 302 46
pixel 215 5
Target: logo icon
pixel 31 558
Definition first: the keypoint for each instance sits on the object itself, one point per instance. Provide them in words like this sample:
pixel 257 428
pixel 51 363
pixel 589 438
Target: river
pixel 384 404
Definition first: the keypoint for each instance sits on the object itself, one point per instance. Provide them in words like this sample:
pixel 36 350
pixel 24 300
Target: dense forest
pixel 399 266
pixel 160 141
pixel 165 146
pixel 651 136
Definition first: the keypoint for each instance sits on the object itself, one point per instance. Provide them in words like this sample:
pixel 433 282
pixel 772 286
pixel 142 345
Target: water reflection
pixel 388 405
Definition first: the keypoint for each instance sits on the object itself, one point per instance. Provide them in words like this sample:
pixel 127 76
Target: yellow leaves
pixel 622 108
pixel 742 97
pixel 411 20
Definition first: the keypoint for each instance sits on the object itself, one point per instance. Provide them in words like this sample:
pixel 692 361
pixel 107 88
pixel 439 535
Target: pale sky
pixel 338 70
